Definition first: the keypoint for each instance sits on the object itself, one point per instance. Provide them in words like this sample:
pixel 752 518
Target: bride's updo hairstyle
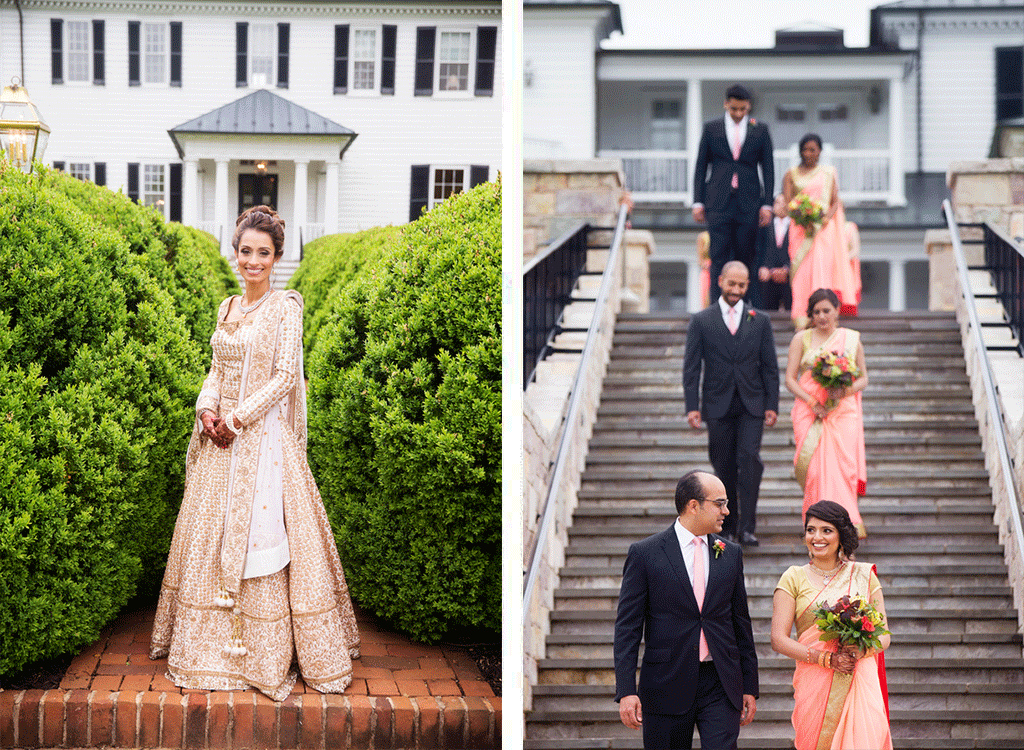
pixel 835 514
pixel 818 296
pixel 262 219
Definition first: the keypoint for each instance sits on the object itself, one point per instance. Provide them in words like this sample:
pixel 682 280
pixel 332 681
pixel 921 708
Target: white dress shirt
pixel 781 227
pixel 686 546
pixel 724 307
pixel 732 127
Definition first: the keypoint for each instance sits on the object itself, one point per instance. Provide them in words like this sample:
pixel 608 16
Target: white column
pixel 299 218
pixel 897 193
pixel 331 189
pixel 897 284
pixel 694 126
pixel 190 193
pixel 694 298
pixel 225 225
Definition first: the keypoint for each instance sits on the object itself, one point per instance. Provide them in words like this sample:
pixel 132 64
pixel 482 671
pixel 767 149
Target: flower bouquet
pixel 806 212
pixel 832 370
pixel 853 623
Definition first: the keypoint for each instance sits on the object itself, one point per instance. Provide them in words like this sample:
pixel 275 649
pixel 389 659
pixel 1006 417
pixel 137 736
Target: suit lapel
pixel 670 545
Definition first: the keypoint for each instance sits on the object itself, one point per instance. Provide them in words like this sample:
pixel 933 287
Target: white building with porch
pixel 343 115
pixel 892 116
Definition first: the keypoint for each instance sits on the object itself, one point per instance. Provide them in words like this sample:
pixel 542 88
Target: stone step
pixel 874 440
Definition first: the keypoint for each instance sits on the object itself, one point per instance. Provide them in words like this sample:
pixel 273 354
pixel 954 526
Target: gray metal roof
pixel 261 113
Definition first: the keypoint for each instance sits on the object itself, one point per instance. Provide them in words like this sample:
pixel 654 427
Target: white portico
pixel 262 149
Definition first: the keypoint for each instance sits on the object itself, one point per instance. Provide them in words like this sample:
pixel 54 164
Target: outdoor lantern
pixel 23 133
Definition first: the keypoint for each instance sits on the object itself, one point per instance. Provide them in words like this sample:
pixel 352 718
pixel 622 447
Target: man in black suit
pixel 739 395
pixel 731 199
pixel 771 290
pixel 683 592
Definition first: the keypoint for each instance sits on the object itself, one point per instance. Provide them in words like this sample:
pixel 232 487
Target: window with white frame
pixel 80 170
pixel 155 58
pixel 364 59
pixel 78 51
pixel 263 49
pixel 153 186
pixel 666 125
pixel 454 53
pixel 446 181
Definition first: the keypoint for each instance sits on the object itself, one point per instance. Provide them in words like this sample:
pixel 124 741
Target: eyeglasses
pixel 721 503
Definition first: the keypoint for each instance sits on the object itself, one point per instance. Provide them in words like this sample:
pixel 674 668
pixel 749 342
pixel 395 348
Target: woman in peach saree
pixel 828 425
pixel 841 700
pixel 819 258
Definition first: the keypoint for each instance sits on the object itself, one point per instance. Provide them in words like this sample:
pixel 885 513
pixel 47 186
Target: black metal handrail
pixel 1005 260
pixel 548 281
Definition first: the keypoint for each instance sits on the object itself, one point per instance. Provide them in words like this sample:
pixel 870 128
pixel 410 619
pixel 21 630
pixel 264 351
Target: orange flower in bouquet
pixel 851 622
pixel 832 370
pixel 806 212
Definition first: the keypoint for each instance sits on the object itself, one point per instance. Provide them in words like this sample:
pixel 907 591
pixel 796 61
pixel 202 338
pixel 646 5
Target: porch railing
pixel 865 175
pixel 1005 260
pixel 548 281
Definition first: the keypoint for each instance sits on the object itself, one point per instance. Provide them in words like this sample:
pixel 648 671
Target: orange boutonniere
pixel 719 547
pixel 751 313
pixel 753 121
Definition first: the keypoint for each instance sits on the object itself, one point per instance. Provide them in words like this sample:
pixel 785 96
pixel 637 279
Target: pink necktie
pixel 736 155
pixel 698 588
pixel 732 321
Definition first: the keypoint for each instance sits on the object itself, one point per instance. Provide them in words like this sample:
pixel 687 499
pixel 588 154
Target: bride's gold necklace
pixel 828 575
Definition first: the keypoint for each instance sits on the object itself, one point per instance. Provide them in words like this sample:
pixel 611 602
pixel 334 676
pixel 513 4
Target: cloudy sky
pixel 696 24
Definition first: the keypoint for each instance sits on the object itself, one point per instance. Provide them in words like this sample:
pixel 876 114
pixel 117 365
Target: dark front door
pixel 257 190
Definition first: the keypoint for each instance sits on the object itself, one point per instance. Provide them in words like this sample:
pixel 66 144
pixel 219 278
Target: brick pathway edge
pixel 242 720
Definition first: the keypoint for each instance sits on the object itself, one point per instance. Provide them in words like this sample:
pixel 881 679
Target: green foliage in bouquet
pixel 185 261
pixel 806 212
pixel 405 422
pixel 98 377
pixel 853 623
pixel 329 265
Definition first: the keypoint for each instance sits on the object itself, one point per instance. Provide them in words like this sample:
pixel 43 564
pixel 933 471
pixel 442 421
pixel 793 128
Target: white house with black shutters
pixel 342 115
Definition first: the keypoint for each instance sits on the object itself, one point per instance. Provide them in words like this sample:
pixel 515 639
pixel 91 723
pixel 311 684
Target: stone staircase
pixel 955 668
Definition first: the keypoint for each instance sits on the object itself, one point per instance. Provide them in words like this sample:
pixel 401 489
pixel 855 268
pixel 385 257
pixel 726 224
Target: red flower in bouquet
pixel 851 622
pixel 833 370
pixel 806 212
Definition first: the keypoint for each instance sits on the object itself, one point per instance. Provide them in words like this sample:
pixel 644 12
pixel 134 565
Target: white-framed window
pixel 790 113
pixel 155 57
pixel 81 170
pixel 262 54
pixel 153 186
pixel 79 48
pixel 445 181
pixel 454 60
pixel 833 112
pixel 365 59
pixel 666 124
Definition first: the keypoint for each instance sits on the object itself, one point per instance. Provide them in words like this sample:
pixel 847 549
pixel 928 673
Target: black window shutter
pixel 1009 82
pixel 100 171
pixel 282 55
pixel 419 190
pixel 59 166
pixel 478 173
pixel 486 47
pixel 134 58
pixel 425 36
pixel 176 53
pixel 341 58
pixel 133 182
pixel 57 50
pixel 99 68
pixel 175 192
pixel 241 54
pixel 389 39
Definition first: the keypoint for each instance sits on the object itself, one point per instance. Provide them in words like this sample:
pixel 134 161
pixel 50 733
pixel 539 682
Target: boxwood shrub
pixel 329 264
pixel 98 377
pixel 405 421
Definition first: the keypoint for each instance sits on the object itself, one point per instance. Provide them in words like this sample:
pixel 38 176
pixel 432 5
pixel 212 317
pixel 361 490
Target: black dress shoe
pixel 748 540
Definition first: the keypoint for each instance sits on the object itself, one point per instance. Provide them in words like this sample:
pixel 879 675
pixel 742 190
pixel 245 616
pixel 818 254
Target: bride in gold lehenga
pixel 253 576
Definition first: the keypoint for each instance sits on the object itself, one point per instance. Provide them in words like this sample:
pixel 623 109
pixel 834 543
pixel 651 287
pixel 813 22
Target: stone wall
pixel 990 190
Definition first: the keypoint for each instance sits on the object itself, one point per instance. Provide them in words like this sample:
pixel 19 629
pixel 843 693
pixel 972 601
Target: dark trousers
pixel 776 296
pixel 717 720
pixel 733 237
pixel 734 447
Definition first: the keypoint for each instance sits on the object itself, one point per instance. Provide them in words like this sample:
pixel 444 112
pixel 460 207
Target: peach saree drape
pixel 252 530
pixel 834 711
pixel 821 259
pixel 829 461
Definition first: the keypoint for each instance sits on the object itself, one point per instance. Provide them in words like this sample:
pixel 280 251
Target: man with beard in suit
pixel 683 593
pixel 738 395
pixel 727 192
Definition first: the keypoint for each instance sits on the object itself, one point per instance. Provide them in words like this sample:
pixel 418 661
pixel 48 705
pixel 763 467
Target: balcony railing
pixel 865 175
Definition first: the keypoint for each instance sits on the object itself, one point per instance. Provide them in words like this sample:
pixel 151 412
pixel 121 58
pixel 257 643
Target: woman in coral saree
pixel 253 575
pixel 841 700
pixel 820 258
pixel 828 426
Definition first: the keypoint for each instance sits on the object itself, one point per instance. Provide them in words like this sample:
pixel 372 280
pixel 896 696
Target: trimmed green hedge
pixel 98 377
pixel 405 421
pixel 185 261
pixel 329 264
